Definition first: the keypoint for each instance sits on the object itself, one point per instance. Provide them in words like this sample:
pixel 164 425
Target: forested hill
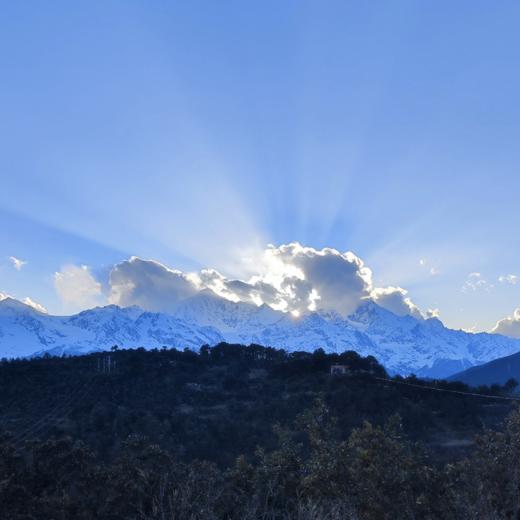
pixel 138 421
pixel 222 402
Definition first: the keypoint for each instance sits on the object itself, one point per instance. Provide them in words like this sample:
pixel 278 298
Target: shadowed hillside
pixel 248 433
pixel 222 402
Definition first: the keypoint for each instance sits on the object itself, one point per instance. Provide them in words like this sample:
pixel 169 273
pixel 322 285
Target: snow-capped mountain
pixel 24 331
pixel 236 321
pixel 403 344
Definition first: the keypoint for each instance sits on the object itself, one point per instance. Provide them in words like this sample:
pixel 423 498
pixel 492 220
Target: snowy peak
pixel 207 309
pixel 370 314
pixel 11 306
pixel 25 332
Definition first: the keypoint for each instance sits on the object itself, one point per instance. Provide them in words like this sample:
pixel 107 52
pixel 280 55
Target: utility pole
pixel 105 364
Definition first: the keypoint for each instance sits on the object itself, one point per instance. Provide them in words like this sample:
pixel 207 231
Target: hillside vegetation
pixel 249 432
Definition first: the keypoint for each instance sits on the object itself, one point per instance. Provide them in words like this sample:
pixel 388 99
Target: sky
pixel 198 133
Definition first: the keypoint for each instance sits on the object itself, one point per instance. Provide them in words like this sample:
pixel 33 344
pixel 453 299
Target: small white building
pixel 339 370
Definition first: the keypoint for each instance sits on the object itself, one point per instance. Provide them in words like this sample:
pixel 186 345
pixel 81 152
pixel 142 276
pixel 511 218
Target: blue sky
pixel 197 132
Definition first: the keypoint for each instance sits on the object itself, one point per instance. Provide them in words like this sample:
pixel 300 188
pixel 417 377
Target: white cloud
pixel 77 287
pixel 395 300
pixel 150 285
pixel 475 282
pixel 509 326
pixel 17 263
pixel 299 279
pixel 511 279
pixel 307 278
pixel 291 278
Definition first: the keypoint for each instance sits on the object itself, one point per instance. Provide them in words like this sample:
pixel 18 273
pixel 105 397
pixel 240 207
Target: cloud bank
pixel 509 326
pixel 150 285
pixel 290 278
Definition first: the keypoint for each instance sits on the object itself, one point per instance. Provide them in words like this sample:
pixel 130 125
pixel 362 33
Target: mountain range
pixel 403 344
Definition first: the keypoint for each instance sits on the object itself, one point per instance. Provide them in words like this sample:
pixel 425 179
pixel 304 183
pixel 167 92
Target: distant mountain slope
pixel 402 343
pixel 497 371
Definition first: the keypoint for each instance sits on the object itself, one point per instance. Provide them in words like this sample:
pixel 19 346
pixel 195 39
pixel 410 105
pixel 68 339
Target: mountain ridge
pixel 497 371
pixel 403 344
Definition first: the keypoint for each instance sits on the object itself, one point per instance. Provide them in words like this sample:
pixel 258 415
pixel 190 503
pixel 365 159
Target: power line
pixel 105 365
pixel 459 392
pixel 54 408
pixel 49 418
